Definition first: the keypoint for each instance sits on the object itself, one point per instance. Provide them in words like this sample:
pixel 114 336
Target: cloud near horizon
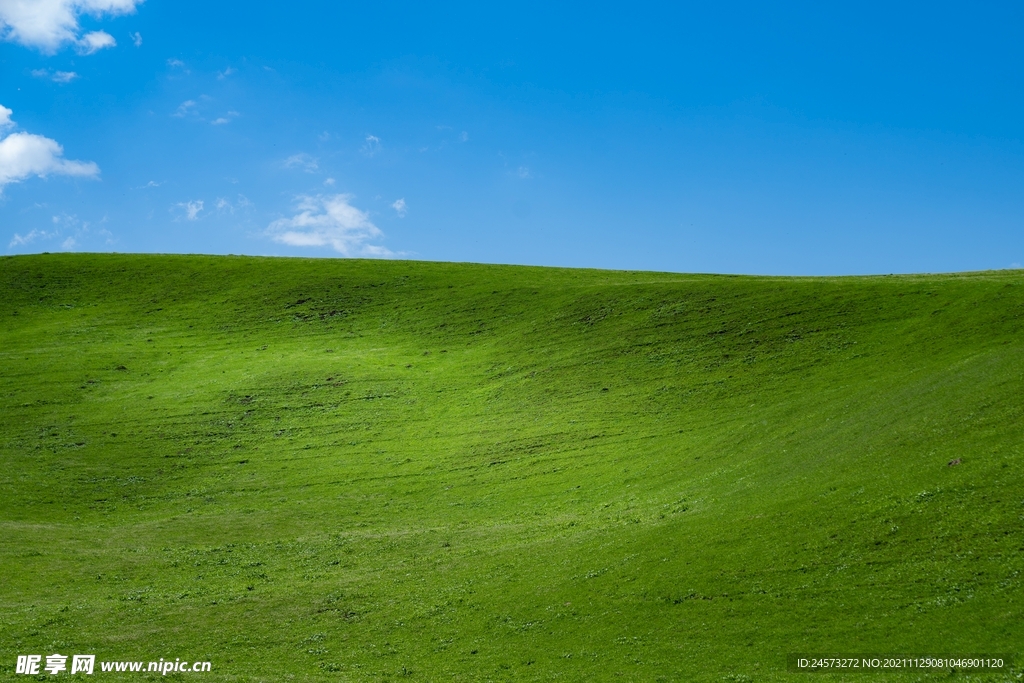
pixel 48 26
pixel 23 155
pixel 80 232
pixel 329 221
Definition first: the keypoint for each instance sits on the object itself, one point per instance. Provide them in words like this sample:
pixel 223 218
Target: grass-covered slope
pixel 364 470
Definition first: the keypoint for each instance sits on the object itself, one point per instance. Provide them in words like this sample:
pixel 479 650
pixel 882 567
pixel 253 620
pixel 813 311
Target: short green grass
pixel 343 470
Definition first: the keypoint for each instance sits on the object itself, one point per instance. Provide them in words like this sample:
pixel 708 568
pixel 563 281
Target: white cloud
pixel 304 161
pixel 400 208
pixel 329 182
pixel 523 173
pixel 371 146
pixel 19 240
pixel 81 232
pixel 221 75
pixel 57 76
pixel 136 39
pixel 178 67
pixel 192 209
pixel 224 205
pixel 48 25
pixel 23 155
pixel 184 108
pixel 227 118
pixel 463 136
pixel 93 42
pixel 329 221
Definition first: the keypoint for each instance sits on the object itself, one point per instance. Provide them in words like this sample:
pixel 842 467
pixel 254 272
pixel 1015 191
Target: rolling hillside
pixel 306 470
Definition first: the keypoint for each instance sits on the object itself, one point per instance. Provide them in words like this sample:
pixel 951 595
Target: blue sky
pixel 742 138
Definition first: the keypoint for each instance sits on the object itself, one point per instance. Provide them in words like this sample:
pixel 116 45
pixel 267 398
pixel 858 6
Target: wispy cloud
pixel 225 205
pixel 81 231
pixel 463 136
pixel 178 65
pixel 185 108
pixel 371 146
pixel 30 237
pixel 93 42
pixel 329 182
pixel 23 155
pixel 136 39
pixel 400 208
pixel 61 77
pixel 303 161
pixel 227 118
pixel 221 75
pixel 329 221
pixel 49 25
pixel 523 173
pixel 191 208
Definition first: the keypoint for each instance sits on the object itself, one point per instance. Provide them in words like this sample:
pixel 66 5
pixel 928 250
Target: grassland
pixel 313 470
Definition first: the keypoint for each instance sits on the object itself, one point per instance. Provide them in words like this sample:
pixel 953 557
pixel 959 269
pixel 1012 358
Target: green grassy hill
pixel 306 470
